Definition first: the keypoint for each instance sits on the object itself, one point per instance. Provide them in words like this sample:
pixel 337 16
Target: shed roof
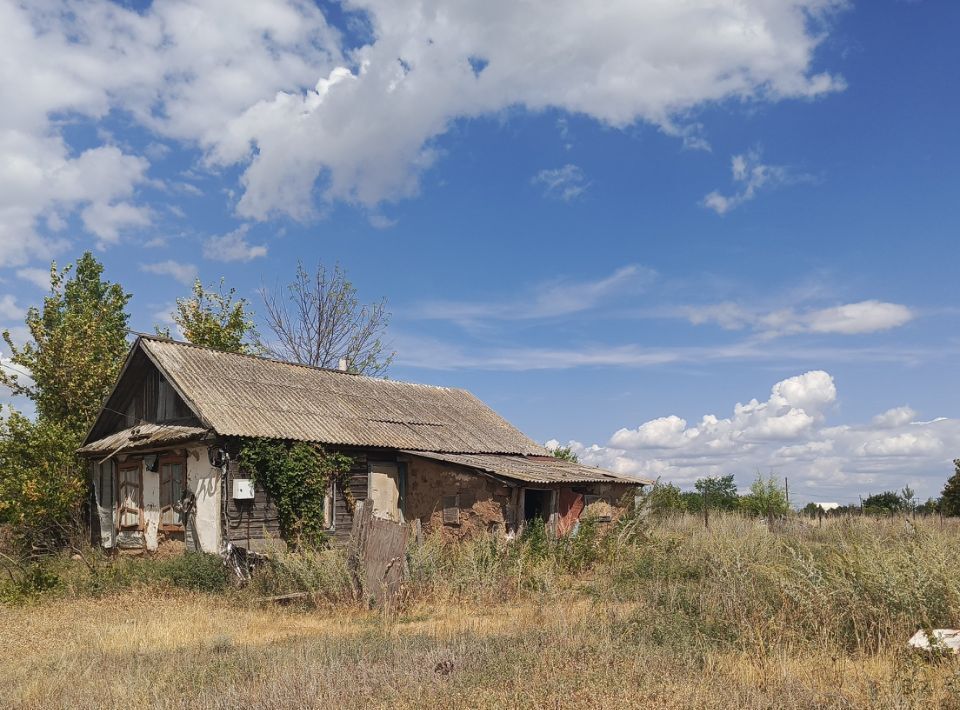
pixel 534 469
pixel 244 395
pixel 143 436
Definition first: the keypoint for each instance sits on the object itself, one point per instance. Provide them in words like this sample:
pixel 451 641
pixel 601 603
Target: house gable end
pixel 143 393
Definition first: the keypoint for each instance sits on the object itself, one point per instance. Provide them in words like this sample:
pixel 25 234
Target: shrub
pixel 196 572
pixel 34 580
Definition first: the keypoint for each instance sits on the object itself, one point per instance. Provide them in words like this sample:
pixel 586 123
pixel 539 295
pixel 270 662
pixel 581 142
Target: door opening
pixel 536 504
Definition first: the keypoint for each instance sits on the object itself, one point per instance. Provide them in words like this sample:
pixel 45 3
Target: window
pixel 173 481
pixel 129 496
pixel 166 402
pixel 104 482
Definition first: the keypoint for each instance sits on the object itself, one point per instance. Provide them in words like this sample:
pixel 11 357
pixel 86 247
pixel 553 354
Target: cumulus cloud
pixel 788 434
pixel 894 417
pixel 847 319
pixel 751 176
pixel 233 246
pixel 279 94
pixel 184 273
pixel 85 59
pixel 566 183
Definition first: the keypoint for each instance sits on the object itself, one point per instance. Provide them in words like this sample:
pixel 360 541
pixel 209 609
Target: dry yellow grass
pixel 200 651
pixel 681 618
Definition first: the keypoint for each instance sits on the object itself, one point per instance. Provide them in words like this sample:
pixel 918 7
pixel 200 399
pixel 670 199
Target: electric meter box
pixel 242 489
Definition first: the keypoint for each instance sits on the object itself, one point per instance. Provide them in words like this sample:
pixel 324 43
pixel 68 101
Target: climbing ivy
pixel 296 475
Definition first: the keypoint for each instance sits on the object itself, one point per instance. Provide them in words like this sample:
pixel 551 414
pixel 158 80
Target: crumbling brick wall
pixel 482 504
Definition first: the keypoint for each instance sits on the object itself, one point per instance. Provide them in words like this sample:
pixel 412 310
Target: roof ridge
pixel 262 358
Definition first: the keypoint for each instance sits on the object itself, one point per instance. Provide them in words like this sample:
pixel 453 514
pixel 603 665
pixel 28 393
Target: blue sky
pixel 619 223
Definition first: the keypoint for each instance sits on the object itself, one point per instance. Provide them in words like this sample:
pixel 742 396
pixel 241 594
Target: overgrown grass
pixel 642 614
pixel 97 575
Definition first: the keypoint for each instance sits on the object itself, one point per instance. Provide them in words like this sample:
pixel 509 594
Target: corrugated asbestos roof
pixel 143 436
pixel 242 395
pixel 533 469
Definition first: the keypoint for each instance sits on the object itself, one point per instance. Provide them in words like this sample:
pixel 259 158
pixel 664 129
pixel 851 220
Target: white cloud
pixel 379 221
pixel 863 317
pixel 904 444
pixel 788 435
pixel 38 277
pixel 9 309
pixel 793 408
pixel 83 59
pixel 894 417
pixel 107 221
pixel 752 176
pixel 566 183
pixel 275 91
pixel 423 351
pixel 184 273
pixel 550 299
pixel 847 319
pixel 233 246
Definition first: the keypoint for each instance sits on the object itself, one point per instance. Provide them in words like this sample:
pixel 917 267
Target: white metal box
pixel 242 489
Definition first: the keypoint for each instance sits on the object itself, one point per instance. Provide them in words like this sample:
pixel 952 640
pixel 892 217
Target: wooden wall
pixel 135 399
pixel 248 523
pixel 258 520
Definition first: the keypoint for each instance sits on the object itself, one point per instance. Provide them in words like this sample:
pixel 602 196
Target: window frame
pixel 167 460
pixel 129 465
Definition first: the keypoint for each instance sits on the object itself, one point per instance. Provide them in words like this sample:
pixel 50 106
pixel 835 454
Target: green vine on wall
pixel 297 476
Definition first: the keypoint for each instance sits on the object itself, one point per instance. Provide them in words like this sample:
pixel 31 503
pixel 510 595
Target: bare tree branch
pixel 317 319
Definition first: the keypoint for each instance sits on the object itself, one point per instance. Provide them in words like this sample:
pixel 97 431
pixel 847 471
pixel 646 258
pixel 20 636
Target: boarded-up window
pixel 451 510
pixel 129 497
pixel 384 491
pixel 173 481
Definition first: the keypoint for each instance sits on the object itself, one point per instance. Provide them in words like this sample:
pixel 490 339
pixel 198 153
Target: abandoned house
pixel 171 429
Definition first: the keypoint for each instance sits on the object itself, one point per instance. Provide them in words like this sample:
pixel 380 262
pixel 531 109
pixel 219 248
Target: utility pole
pixel 786 487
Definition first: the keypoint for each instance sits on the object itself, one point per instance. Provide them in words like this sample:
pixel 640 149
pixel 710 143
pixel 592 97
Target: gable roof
pixel 245 395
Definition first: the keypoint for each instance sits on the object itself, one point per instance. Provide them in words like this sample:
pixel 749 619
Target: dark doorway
pixel 536 504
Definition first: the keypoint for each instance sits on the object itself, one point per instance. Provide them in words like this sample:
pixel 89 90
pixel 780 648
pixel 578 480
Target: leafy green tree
pixel 883 503
pixel 692 501
pixel 950 498
pixel 929 507
pixel 766 497
pixel 718 492
pixel 39 482
pixel 78 346
pixel 216 319
pixel 566 453
pixel 666 498
pixel 909 498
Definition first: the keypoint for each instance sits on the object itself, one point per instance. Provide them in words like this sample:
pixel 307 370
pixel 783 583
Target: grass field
pixel 660 614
